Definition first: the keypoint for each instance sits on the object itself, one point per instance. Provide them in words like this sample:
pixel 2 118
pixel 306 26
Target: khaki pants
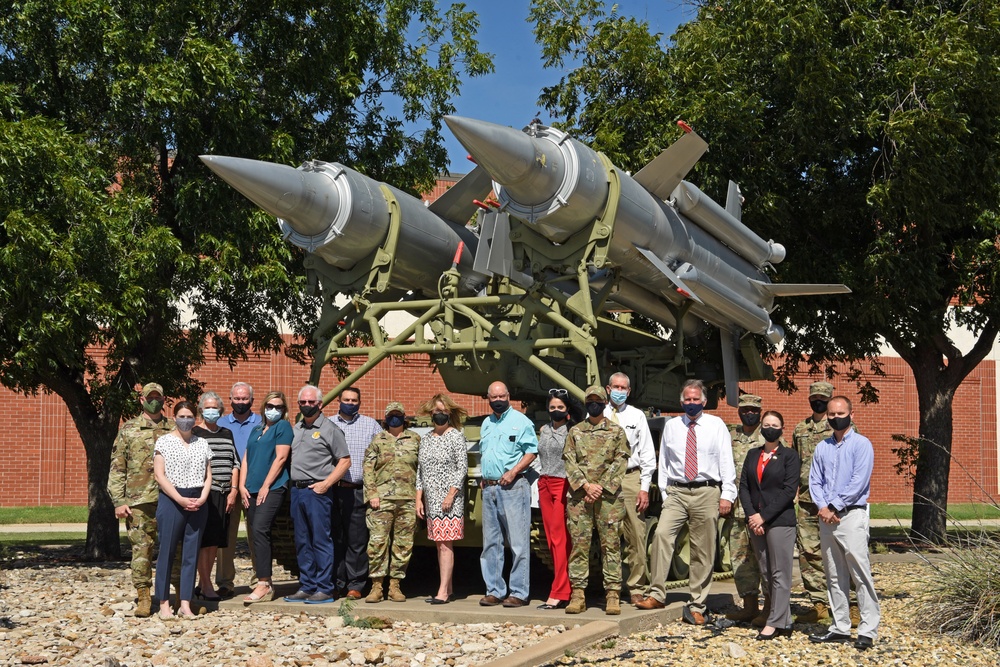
pixel 699 509
pixel 634 531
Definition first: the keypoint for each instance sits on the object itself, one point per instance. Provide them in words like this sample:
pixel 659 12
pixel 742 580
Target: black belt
pixel 305 484
pixel 854 507
pixel 696 485
pixel 496 482
pixel 628 470
pixel 348 485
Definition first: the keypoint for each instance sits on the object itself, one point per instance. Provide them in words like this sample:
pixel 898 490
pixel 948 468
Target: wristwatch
pixel 832 508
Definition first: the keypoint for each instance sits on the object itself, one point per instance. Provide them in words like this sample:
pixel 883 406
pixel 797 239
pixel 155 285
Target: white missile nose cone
pixel 305 200
pixel 505 153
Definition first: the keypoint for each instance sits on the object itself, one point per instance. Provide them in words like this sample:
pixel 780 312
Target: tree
pixel 865 137
pixel 121 257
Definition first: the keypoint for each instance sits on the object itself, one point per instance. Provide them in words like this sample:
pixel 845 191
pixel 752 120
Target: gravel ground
pixel 899 643
pixel 55 610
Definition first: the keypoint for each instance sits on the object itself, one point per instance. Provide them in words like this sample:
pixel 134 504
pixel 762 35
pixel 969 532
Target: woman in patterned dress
pixel 182 467
pixel 442 466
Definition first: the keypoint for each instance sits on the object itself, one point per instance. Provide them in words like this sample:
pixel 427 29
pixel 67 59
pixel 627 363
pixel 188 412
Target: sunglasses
pixel 558 393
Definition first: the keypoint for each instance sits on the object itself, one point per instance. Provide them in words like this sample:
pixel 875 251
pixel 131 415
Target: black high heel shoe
pixel 778 632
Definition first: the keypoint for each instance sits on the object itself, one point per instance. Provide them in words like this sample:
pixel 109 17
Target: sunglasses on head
pixel 558 393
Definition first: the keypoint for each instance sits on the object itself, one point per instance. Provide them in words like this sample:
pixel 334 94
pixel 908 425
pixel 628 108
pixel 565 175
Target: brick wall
pixel 42 461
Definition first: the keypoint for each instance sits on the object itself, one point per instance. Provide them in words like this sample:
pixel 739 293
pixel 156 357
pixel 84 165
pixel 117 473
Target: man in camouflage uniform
pixel 596 455
pixel 319 459
pixel 390 479
pixel 733 535
pixel 808 433
pixel 133 487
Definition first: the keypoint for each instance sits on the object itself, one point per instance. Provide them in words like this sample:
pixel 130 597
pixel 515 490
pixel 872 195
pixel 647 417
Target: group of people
pixel 357 490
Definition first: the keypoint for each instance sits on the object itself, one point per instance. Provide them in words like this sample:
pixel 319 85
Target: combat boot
pixel 855 615
pixel 376 593
pixel 749 611
pixel 760 620
pixel 577 602
pixel 143 606
pixel 613 606
pixel 820 613
pixel 395 594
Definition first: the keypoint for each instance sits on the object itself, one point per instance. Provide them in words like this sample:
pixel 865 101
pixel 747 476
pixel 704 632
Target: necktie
pixel 614 416
pixel 691 454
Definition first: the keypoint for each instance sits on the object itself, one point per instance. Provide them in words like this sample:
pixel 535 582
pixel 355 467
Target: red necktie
pixel 691 454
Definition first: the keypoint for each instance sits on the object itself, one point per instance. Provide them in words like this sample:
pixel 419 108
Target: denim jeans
pixel 312 516
pixel 506 516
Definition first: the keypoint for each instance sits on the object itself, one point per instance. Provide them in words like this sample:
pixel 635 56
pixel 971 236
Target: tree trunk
pixel 103 542
pixel 935 392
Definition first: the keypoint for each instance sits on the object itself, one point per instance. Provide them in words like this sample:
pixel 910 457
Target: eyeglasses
pixel 558 393
pixel 308 402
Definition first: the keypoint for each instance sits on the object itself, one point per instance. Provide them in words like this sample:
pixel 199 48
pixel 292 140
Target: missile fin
pixel 661 176
pixel 665 270
pixel 799 289
pixel 734 201
pixel 456 204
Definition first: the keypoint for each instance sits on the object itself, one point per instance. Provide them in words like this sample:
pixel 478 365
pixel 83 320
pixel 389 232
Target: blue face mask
pixel 211 415
pixel 349 409
pixel 394 421
pixel 618 397
pixel 693 409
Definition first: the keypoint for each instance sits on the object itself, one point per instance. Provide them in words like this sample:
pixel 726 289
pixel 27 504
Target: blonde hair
pixel 456 413
pixel 277 394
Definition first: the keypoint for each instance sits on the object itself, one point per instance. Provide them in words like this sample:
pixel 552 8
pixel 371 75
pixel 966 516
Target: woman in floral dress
pixel 442 466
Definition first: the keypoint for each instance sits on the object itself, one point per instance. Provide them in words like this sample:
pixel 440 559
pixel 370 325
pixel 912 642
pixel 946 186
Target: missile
pixel 343 216
pixel 684 248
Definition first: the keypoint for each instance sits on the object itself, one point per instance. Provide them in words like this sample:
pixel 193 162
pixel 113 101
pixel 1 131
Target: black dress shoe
pixel 863 643
pixel 439 601
pixel 562 604
pixel 828 637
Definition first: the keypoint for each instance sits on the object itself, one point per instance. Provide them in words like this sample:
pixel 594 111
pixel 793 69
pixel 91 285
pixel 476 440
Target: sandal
pixel 266 596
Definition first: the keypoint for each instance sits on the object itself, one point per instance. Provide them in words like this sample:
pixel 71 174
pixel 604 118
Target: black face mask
pixel 240 408
pixel 595 408
pixel 818 405
pixel 557 415
pixel 750 418
pixel 771 434
pixel 308 410
pixel 839 423
pixel 440 418
pixel 499 406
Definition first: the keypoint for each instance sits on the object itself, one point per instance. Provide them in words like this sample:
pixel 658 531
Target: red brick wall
pixel 42 461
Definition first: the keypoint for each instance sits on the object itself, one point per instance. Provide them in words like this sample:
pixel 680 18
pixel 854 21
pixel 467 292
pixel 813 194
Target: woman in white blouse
pixel 182 466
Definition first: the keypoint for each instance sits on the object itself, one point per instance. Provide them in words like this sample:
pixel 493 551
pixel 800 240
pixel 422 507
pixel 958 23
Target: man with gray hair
pixel 638 476
pixel 698 481
pixel 320 459
pixel 241 422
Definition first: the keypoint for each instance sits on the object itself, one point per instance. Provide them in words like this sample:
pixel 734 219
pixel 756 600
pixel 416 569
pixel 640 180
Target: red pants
pixel 552 503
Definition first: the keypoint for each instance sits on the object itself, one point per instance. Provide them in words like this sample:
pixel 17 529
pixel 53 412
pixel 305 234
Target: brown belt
pixel 497 482
pixel 349 485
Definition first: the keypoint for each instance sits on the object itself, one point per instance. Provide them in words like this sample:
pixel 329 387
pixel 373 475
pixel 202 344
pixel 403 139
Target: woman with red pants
pixel 552 489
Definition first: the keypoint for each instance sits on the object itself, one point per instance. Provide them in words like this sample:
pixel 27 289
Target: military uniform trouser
pixel 606 513
pixel 734 539
pixel 394 521
pixel 810 553
pixel 141 528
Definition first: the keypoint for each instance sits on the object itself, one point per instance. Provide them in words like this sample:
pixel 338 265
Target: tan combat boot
pixel 820 613
pixel 855 616
pixel 749 611
pixel 577 602
pixel 395 594
pixel 760 620
pixel 613 606
pixel 376 592
pixel 144 606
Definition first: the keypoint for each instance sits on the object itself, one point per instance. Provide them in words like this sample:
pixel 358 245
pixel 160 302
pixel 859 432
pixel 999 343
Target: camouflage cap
pixel 821 389
pixel 395 406
pixel 149 388
pixel 596 390
pixel 749 401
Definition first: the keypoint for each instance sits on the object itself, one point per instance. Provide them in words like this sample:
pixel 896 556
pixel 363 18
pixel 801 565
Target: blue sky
pixel 509 96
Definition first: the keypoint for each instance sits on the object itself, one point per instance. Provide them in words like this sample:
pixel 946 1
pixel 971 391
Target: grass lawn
pixel 956 512
pixel 45 514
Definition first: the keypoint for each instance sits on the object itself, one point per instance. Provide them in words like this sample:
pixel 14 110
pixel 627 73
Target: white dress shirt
pixel 715 453
pixel 643 457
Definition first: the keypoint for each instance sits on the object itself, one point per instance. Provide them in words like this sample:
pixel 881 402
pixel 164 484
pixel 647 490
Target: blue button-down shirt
pixel 241 429
pixel 359 433
pixel 504 441
pixel 841 472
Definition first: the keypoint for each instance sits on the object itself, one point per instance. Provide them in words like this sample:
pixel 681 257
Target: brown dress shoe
pixel 649 603
pixel 353 595
pixel 635 599
pixel 512 601
pixel 489 601
pixel 693 617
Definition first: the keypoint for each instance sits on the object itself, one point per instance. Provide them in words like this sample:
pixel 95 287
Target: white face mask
pixel 273 414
